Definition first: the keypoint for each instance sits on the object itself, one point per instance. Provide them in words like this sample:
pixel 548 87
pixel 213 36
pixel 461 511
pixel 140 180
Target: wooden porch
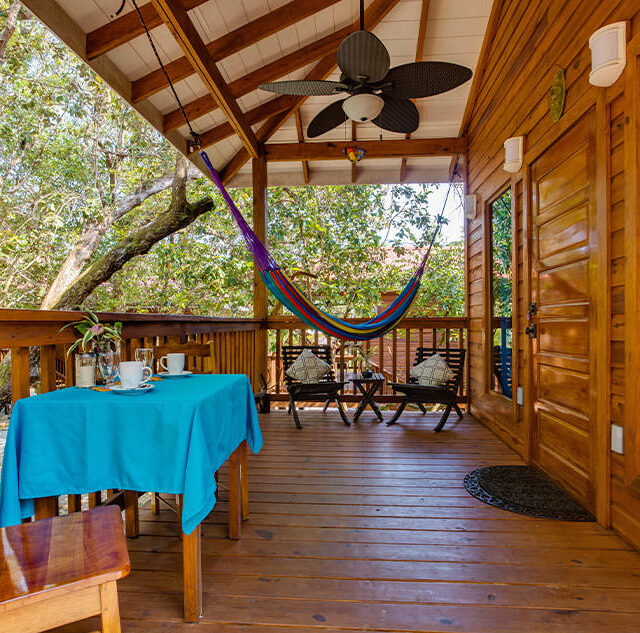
pixel 369 529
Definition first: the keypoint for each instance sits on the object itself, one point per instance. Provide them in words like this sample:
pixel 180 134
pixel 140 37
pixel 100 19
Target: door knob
pixel 531 330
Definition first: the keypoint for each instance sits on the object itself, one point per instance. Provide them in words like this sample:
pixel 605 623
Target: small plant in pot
pixel 95 337
pixel 363 358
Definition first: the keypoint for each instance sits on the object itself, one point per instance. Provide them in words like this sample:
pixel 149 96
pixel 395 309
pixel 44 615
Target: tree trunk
pixel 94 231
pixel 178 215
pixel 10 27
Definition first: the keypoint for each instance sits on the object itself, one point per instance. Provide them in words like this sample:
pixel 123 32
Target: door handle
pixel 531 330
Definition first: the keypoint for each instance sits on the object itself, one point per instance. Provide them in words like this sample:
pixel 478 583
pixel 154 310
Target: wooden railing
pixel 391 355
pixel 240 346
pixel 237 344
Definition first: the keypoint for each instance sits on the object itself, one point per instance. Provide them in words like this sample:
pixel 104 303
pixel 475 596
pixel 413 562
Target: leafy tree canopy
pixel 71 151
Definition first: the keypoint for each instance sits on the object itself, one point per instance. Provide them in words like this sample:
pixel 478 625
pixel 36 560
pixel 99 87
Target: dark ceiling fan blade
pixel 423 79
pixel 305 88
pixel 362 56
pixel 332 116
pixel 398 115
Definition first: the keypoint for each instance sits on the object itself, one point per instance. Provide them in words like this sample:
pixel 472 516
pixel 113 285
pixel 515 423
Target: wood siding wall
pixel 531 40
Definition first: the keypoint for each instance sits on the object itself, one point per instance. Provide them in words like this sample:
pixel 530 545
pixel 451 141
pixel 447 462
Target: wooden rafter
pixel 175 16
pixel 377 10
pixel 231 43
pixel 422 33
pixel 300 132
pixel 253 116
pixel 332 150
pixel 125 28
pixel 270 72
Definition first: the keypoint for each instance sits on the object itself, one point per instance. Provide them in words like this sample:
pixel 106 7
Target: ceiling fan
pixel 376 92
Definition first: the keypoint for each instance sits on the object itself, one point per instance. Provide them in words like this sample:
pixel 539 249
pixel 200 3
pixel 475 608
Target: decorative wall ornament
pixel 354 154
pixel 557 95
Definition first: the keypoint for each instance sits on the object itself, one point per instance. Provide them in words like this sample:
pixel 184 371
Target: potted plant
pixel 97 341
pixel 363 357
pixel 95 337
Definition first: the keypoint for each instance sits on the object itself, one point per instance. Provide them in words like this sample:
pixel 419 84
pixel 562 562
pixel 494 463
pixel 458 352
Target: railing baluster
pixel 407 354
pixel 394 356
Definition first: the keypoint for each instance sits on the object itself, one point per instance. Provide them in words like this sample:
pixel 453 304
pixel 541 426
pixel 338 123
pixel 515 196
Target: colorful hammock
pixel 277 282
pixel 295 300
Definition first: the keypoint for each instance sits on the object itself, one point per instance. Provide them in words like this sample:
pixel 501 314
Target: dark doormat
pixel 524 490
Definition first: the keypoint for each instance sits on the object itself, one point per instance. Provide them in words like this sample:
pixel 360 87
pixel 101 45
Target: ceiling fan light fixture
pixel 363 107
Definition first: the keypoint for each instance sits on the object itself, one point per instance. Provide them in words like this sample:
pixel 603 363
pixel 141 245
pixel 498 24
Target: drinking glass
pixel 109 363
pixel 145 355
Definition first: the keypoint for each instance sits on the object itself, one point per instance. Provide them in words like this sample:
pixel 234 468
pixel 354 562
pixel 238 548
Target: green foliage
pixel 69 148
pixel 501 244
pixel 94 336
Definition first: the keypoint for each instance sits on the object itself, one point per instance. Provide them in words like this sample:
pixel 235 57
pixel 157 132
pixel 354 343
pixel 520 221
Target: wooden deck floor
pixel 369 529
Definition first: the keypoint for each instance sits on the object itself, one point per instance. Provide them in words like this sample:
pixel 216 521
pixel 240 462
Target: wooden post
pixel 259 170
pixel 20 375
pixel 235 496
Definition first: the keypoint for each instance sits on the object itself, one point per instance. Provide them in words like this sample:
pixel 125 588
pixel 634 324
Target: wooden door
pixel 562 268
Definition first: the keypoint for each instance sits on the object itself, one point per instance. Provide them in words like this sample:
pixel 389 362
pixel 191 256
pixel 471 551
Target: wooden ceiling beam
pixel 332 150
pixel 300 132
pixel 175 16
pixel 422 33
pixel 126 27
pixel 253 116
pixel 231 43
pixel 251 81
pixel 376 11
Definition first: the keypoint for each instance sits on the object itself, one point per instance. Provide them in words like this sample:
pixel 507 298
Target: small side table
pixel 368 387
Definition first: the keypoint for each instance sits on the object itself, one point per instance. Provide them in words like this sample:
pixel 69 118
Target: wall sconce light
pixel 513 154
pixel 470 202
pixel 608 54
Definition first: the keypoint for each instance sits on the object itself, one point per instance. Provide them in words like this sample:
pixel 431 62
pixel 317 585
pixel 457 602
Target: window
pixel 501 294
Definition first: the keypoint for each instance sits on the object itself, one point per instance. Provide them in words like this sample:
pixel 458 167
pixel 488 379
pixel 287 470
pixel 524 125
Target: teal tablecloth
pixel 171 440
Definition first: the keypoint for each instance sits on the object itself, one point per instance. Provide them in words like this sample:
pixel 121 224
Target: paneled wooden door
pixel 562 288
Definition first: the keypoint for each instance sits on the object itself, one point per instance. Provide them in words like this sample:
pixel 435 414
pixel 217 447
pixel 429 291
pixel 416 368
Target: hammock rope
pixel 282 287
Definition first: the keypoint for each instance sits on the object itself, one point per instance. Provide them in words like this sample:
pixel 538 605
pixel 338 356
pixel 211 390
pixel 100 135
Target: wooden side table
pixel 368 387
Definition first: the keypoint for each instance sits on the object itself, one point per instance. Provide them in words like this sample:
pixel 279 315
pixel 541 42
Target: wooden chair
pixel 502 369
pixel 61 570
pixel 198 356
pixel 326 390
pixel 446 395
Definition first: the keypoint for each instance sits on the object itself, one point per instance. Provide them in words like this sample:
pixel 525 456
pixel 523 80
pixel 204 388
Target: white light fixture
pixel 470 202
pixel 608 54
pixel 363 107
pixel 513 154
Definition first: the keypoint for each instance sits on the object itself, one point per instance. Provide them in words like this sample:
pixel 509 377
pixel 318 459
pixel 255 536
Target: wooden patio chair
pixel 447 395
pixel 197 356
pixel 61 570
pixel 326 390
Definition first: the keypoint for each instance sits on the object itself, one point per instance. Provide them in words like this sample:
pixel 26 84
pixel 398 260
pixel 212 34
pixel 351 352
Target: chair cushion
pixel 432 372
pixel 308 368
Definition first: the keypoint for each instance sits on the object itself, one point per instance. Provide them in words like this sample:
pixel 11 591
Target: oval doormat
pixel 524 490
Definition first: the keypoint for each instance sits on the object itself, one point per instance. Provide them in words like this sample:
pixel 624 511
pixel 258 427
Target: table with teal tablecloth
pixel 170 440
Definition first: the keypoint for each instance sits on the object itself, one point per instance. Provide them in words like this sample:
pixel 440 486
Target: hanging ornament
pixel 354 154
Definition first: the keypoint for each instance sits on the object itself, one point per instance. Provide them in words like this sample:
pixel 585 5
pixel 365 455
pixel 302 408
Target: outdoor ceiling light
pixel 608 54
pixel 513 154
pixel 363 107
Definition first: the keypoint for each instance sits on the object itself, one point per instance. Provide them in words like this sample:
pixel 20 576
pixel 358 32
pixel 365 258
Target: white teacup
pixel 132 374
pixel 173 363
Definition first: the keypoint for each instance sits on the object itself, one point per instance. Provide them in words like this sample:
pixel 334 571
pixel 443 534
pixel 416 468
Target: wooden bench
pixel 61 570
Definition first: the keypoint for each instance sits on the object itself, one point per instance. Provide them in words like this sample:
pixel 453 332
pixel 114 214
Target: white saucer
pixel 131 391
pixel 182 374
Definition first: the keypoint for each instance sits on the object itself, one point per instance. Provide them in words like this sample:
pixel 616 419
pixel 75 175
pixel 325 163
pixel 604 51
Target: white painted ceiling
pixel 455 30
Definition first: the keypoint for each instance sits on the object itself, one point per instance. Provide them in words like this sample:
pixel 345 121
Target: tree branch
pixel 179 214
pixel 10 27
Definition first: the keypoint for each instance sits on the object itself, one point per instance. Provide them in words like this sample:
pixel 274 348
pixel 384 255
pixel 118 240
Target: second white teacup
pixel 173 363
pixel 132 374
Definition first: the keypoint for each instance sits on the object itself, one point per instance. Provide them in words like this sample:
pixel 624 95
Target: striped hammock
pixel 294 299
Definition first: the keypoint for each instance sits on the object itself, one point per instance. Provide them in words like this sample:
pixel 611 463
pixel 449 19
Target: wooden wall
pixel 525 45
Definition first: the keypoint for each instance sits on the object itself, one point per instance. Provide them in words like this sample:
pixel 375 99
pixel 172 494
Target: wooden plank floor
pixel 368 528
